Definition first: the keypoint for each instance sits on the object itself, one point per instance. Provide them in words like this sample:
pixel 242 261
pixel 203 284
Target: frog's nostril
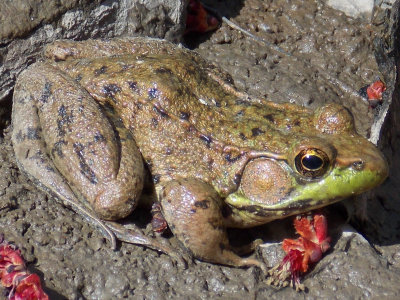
pixel 358 165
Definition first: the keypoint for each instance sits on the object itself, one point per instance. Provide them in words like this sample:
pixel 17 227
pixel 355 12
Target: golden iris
pixel 312 162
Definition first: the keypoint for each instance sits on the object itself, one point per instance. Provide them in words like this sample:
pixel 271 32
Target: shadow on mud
pixel 219 9
pixel 383 211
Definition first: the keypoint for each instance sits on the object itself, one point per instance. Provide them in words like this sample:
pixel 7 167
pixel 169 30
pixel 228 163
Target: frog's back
pixel 180 116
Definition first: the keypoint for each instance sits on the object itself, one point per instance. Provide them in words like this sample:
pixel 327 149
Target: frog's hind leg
pixel 31 153
pixel 193 211
pixel 69 148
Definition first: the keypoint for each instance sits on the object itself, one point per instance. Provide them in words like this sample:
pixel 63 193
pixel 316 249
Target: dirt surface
pixel 75 261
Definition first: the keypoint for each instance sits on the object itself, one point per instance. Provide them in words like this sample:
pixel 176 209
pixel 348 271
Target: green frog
pixel 97 120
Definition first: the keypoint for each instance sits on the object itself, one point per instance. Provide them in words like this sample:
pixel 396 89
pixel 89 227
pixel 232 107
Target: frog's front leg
pixel 74 150
pixel 193 211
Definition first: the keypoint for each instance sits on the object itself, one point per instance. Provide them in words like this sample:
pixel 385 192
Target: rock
pixel 20 16
pixel 353 8
pixel 26 26
pixel 358 8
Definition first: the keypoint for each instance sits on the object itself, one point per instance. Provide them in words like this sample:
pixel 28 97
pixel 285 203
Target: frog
pixel 96 122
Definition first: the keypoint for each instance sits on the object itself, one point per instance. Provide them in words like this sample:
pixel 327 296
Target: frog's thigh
pixel 64 49
pixel 192 210
pixel 63 140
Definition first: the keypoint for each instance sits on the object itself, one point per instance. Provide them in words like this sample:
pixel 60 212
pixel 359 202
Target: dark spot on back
pixel 133 86
pixel 102 70
pixel 98 137
pixel 184 115
pixel 256 131
pixel 160 111
pixel 62 111
pixel 110 90
pixel 269 117
pixel 206 139
pixel 242 136
pixel 153 93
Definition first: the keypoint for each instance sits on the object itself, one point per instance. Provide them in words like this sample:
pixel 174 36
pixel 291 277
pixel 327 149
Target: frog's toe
pixel 134 235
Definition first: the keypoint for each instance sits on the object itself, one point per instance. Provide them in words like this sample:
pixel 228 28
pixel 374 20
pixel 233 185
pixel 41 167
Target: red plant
pixel 22 285
pixel 302 252
pixel 375 90
pixel 373 93
pixel 198 19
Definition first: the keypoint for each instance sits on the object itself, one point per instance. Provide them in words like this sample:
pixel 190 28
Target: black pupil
pixel 312 162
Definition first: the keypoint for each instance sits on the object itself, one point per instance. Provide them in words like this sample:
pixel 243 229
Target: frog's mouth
pixel 339 184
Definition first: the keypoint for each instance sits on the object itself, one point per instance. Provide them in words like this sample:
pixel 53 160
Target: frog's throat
pixel 341 183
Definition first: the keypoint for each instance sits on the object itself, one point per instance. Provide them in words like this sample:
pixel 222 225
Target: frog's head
pixel 329 163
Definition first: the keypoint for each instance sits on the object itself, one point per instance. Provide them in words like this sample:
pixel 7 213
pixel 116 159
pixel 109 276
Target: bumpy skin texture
pixel 86 119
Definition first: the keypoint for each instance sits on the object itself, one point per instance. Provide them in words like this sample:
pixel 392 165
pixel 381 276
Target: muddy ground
pixel 76 262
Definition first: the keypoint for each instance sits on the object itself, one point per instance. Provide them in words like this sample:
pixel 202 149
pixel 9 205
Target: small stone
pixel 354 8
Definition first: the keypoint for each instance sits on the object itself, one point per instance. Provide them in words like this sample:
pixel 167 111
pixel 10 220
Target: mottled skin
pixel 88 119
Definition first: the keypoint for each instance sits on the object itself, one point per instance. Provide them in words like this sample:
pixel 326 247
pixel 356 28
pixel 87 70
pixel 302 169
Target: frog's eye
pixel 312 162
